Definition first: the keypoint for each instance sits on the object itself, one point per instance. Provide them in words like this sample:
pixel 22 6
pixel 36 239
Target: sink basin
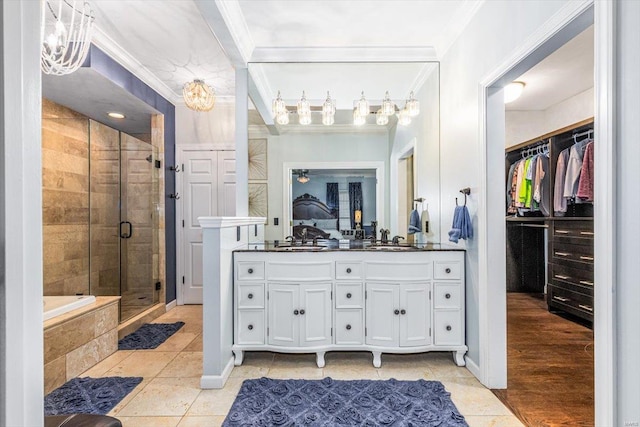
pixel 391 248
pixel 299 248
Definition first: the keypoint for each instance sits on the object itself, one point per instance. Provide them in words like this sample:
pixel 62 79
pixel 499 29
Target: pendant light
pixel 198 95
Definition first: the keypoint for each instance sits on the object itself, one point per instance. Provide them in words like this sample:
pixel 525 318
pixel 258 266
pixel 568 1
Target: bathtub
pixel 57 305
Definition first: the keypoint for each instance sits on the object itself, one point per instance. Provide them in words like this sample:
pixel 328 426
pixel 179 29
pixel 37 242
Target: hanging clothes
pixel 511 207
pixel 585 183
pixel 541 184
pixel 559 202
pixel 524 195
pixel 574 166
pixel 519 177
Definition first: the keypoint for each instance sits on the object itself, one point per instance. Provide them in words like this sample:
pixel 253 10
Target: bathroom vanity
pixel 382 299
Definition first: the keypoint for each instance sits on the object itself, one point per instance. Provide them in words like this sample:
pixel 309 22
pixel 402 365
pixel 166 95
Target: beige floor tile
pixel 348 358
pixel 405 374
pixel 164 397
pixel 100 369
pixel 149 421
pixel 176 342
pixel 282 360
pixel 262 359
pixel 296 372
pixel 492 421
pixel 184 365
pixel 210 421
pixel 351 372
pixel 142 364
pixel 472 398
pixel 129 397
pixel 216 402
pixel 195 345
pixel 249 372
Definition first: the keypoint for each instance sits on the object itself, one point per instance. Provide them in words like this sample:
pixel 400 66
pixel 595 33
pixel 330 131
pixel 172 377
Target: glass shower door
pixel 138 217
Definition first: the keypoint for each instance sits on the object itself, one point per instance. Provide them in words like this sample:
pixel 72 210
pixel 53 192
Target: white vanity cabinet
pixel 355 300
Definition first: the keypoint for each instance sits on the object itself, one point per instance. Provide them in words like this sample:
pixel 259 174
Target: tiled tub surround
pixel 78 339
pixel 59 305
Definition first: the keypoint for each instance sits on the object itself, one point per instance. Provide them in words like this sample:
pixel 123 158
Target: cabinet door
pixel 381 321
pixel 415 316
pixel 283 323
pixel 315 314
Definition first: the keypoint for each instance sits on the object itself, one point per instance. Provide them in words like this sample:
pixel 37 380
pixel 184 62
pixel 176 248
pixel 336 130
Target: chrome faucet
pixel 303 236
pixel 384 238
pixel 396 240
pixel 291 240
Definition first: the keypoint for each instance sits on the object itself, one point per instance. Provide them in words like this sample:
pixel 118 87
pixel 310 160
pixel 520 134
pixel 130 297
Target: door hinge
pixel 429 331
pixel 365 332
pixel 182 167
pixel 429 295
pixel 267 331
pixel 332 295
pixel 267 295
pixel 183 280
pixel 183 223
pixel 331 331
pixel 365 294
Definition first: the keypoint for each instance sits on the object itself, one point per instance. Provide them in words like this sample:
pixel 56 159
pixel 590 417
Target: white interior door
pixel 226 183
pixel 199 197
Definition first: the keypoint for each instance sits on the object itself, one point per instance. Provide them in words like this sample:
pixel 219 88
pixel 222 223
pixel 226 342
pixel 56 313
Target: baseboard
pixel 172 304
pixel 473 368
pixel 217 381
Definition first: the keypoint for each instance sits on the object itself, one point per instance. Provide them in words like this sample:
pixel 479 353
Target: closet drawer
pixel 348 295
pixel 567 229
pixel 581 277
pixel 250 270
pixel 349 327
pixel 573 252
pixel 446 295
pixel 570 301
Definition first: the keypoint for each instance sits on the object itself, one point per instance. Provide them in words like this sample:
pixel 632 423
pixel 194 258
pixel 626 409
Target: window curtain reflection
pixel 333 202
pixel 355 201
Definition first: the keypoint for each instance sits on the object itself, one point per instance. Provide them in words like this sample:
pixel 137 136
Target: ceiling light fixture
pixel 198 95
pixel 362 106
pixel 66 28
pixel 115 115
pixel 412 106
pixel 381 118
pixel 328 111
pixel 302 176
pixel 512 91
pixel 388 107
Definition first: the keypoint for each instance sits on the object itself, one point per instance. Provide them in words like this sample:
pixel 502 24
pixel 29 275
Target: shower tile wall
pixel 65 198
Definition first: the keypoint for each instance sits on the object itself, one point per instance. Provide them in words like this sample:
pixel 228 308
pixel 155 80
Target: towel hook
pixel 466 191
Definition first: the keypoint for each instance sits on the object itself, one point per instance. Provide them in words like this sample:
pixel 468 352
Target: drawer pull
pixel 250 327
pixel 349 295
pixel 348 270
pixel 563 254
pixel 250 271
pixel 396 312
pixel 447 296
pixel 301 312
pixel 562 232
pixel 585 307
pixel 586 282
pixel 296 312
pixel 250 296
pixel 561 299
pixel 403 311
pixel 587 233
pixel 586 258
pixel 447 270
pixel 348 327
pixel 560 276
pixel 448 327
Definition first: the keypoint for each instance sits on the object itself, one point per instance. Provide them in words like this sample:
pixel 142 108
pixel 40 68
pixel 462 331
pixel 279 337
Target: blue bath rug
pixel 328 402
pixel 89 395
pixel 149 335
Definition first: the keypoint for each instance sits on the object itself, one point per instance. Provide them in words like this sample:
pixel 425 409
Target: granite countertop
pixel 344 245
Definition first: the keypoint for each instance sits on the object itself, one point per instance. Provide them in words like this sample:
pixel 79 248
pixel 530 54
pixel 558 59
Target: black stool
pixel 81 420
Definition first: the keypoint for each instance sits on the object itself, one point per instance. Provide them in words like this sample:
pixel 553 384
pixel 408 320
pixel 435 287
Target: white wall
pixel 523 126
pixel 493 35
pixel 213 127
pixel 317 147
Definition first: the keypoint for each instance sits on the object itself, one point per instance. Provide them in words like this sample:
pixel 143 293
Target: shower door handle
pixel 130 230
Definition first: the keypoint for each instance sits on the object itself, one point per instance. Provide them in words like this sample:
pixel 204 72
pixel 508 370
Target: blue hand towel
pixel 462 228
pixel 414 223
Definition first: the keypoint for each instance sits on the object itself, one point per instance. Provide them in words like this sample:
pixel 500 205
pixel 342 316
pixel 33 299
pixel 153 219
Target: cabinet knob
pixel 403 311
pixel 296 312
pixel 250 296
pixel 348 327
pixel 250 271
pixel 250 327
pixel 301 312
pixel 348 270
pixel 447 270
pixel 396 312
pixel 448 327
pixel 349 295
pixel 447 296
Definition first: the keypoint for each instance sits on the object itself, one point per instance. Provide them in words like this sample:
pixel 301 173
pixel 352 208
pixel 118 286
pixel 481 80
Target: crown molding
pixel 124 58
pixel 344 54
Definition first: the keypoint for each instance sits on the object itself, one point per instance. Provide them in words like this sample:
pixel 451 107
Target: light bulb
pixel 512 91
pixel 362 106
pixel 404 118
pixel 388 107
pixel 381 118
pixel 358 120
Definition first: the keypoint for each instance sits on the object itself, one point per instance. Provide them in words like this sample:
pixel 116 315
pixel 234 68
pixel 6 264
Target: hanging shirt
pixel 511 208
pixel 543 184
pixel 574 166
pixel 534 164
pixel 524 195
pixel 559 202
pixel 585 184
pixel 519 176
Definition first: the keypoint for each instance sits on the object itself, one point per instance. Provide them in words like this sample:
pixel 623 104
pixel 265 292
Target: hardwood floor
pixel 549 366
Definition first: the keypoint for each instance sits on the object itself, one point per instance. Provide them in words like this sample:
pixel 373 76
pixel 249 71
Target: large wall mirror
pixel 355 167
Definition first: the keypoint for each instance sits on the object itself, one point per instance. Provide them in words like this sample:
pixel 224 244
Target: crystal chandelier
pixel 66 28
pixel 412 106
pixel 198 95
pixel 328 111
pixel 302 176
pixel 362 106
pixel 388 107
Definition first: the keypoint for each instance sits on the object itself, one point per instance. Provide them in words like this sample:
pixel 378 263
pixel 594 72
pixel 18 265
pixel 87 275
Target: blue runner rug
pixel 328 402
pixel 89 395
pixel 149 335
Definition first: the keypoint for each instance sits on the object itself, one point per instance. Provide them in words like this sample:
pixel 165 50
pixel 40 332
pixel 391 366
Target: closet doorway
pixel 549 167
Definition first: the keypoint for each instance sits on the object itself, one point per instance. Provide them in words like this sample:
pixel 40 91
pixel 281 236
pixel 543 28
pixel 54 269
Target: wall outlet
pixel 158 286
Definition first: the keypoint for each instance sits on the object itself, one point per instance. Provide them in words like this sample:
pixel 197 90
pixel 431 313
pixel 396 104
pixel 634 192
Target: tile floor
pixel 170 394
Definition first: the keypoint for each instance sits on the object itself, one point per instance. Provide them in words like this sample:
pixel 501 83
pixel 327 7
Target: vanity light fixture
pixel 283 118
pixel 328 111
pixel 304 110
pixel 116 115
pixel 412 106
pixel 358 120
pixel 381 118
pixel 65 28
pixel 512 91
pixel 404 118
pixel 278 107
pixel 388 107
pixel 198 95
pixel 362 106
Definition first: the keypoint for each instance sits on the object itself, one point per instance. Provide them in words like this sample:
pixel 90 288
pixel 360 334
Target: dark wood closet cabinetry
pixel 554 252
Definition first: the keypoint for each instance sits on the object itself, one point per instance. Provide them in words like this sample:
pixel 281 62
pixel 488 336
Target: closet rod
pixel 586 132
pixel 550 134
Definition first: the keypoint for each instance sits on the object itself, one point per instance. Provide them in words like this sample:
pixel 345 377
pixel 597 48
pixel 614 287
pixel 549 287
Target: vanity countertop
pixel 344 245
